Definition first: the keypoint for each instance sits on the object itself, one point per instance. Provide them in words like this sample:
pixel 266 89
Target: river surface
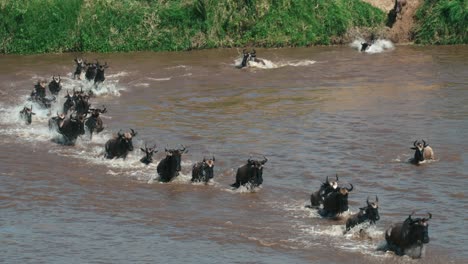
pixel 313 112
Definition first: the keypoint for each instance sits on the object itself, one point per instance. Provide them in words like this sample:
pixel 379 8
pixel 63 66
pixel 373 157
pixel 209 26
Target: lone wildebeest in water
pixel 55 85
pixel 203 171
pixel 26 115
pixel 94 122
pixel 251 174
pixel 408 238
pixel 422 152
pixel 169 167
pixel 316 198
pixel 148 158
pixel 118 147
pixel 369 213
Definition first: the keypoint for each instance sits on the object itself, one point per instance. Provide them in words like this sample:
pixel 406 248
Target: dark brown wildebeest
pixel 408 238
pixel 26 115
pixel 336 202
pixel 99 78
pixel 55 85
pixel 148 158
pixel 203 171
pixel 80 66
pixel 94 122
pixel 251 174
pixel 169 167
pixel 369 213
pixel 72 127
pixel 316 198
pixel 118 147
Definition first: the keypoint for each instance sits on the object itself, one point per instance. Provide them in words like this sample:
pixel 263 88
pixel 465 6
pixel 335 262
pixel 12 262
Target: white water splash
pixel 379 46
pixel 267 64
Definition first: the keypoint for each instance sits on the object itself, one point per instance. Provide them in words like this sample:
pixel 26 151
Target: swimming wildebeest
pixel 80 66
pixel 69 104
pixel 203 171
pixel 118 147
pixel 251 174
pixel 94 122
pixel 408 238
pixel 26 115
pixel 316 198
pixel 72 127
pixel 99 78
pixel 253 57
pixel 148 158
pixel 245 59
pixel 369 213
pixel 56 122
pixel 55 85
pixel 422 152
pixel 336 202
pixel 169 167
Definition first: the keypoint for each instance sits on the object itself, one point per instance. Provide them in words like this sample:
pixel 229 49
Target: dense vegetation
pixel 442 22
pixel 37 26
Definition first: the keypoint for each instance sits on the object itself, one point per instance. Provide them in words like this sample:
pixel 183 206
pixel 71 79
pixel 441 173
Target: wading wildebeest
pixel 94 122
pixel 148 158
pixel 56 122
pixel 99 78
pixel 203 171
pixel 336 202
pixel 369 213
pixel 71 128
pixel 253 57
pixel 26 115
pixel 422 152
pixel 118 147
pixel 80 66
pixel 251 174
pixel 316 198
pixel 91 71
pixel 169 167
pixel 408 238
pixel 55 85
pixel 69 104
pixel 245 59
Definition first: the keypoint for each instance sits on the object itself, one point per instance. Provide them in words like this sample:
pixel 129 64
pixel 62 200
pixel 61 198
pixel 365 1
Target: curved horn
pixel 376 199
pixel 264 160
pixel 133 132
pixel 184 148
pixel 430 216
pixel 352 187
pixel 336 176
pixel 425 144
pixel 414 143
pixel 213 158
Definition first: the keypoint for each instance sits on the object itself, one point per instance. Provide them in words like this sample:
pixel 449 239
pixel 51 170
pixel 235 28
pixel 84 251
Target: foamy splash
pixel 267 64
pixel 379 46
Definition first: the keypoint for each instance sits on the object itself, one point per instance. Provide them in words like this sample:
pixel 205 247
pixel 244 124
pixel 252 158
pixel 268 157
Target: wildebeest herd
pixel 330 200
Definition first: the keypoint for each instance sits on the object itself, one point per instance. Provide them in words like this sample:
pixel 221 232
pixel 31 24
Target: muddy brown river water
pixel 313 112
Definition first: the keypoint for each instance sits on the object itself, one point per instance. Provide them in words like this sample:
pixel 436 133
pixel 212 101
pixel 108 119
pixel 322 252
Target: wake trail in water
pixel 267 64
pixel 379 46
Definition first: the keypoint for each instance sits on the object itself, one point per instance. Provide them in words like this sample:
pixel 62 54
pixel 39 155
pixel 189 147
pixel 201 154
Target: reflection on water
pixel 348 113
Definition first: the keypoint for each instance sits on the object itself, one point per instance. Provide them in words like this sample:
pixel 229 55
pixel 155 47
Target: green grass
pixel 442 22
pixel 39 26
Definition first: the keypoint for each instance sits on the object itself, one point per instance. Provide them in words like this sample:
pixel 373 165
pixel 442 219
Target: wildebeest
pixel 169 167
pixel 408 238
pixel 251 174
pixel 245 58
pixel 80 66
pixel 336 202
pixel 81 102
pixel 91 71
pixel 56 122
pixel 203 171
pixel 369 213
pixel 399 4
pixel 94 122
pixel 72 127
pixel 422 152
pixel 55 85
pixel 365 46
pixel 316 198
pixel 148 158
pixel 253 57
pixel 99 78
pixel 26 115
pixel 118 147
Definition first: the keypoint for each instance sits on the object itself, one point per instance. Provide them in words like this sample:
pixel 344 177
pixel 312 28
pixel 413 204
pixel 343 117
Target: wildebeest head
pixel 372 210
pixel 245 58
pixel 256 170
pixel 148 158
pixel 175 155
pixel 26 114
pixel 416 231
pixel 126 139
pixel 331 184
pixel 419 151
pixel 207 167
